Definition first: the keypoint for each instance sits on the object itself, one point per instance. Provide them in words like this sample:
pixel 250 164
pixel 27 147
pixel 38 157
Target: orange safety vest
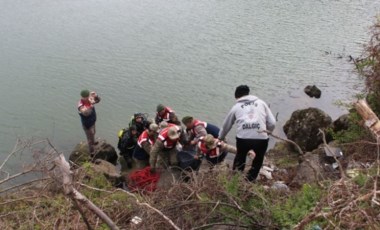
pixel 145 137
pixel 164 138
pixel 212 153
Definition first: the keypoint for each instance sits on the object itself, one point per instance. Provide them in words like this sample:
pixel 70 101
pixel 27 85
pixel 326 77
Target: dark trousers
pixel 243 146
pixel 216 160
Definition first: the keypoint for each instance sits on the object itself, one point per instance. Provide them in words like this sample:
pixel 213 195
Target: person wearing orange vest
pixel 144 146
pixel 197 129
pixel 165 113
pixel 213 149
pixel 165 147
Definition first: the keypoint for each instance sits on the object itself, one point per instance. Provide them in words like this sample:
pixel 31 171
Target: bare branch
pixel 286 140
pixel 75 195
pixel 342 174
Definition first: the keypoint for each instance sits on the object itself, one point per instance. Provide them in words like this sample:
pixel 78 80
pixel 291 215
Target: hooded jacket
pixel 251 115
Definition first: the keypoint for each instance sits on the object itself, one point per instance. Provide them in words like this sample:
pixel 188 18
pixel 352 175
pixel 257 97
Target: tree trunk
pixel 75 195
pixel 370 118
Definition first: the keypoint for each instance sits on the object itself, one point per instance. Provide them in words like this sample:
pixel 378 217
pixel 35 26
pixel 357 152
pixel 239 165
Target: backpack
pixel 124 136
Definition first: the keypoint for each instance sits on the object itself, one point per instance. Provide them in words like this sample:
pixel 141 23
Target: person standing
pixel 87 113
pixel 252 116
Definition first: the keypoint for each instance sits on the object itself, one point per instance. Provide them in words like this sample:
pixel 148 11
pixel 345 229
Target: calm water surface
pixel 189 54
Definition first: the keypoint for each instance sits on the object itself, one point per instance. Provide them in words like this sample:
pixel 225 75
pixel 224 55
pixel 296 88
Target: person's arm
pixel 172 116
pixel 198 155
pixel 95 96
pixel 228 148
pixel 227 124
pixel 200 132
pixel 154 153
pixel 270 119
pixel 146 146
pixel 85 111
pixel 157 119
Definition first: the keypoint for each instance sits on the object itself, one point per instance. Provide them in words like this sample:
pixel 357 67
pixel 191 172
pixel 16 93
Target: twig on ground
pixel 342 174
pixel 75 195
pixel 286 140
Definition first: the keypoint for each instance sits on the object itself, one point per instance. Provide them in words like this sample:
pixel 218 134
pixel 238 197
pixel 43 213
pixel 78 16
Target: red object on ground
pixel 143 180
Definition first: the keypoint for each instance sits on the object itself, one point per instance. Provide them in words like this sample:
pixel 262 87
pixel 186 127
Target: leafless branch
pixel 286 140
pixel 75 195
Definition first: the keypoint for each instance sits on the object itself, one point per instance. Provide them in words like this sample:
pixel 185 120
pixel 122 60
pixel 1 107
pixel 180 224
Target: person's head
pixel 173 133
pixel 163 124
pixel 133 130
pixel 153 128
pixel 160 109
pixel 85 94
pixel 139 117
pixel 241 91
pixel 188 122
pixel 210 141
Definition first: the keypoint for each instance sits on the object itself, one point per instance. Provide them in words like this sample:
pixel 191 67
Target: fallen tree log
pixel 370 119
pixel 75 195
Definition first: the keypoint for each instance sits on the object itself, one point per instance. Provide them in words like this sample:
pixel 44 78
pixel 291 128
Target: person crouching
pixel 165 148
pixel 213 149
pixel 144 146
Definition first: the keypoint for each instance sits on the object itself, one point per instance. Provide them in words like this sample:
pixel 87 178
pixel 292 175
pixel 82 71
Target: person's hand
pixel 196 157
pixel 193 142
pixel 153 170
pixel 251 154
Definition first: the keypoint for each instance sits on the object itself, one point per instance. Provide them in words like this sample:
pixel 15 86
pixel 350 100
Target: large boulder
pixel 342 123
pixel 313 91
pixel 103 151
pixel 108 170
pixel 303 127
pixel 310 169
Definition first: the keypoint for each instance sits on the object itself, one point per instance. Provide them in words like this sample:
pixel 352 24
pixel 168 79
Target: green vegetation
pixel 356 131
pixel 369 67
pixel 288 213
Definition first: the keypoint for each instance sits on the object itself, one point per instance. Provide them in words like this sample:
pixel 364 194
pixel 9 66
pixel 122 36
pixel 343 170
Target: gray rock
pixel 280 186
pixel 303 127
pixel 310 169
pixel 108 170
pixel 103 150
pixel 342 123
pixel 313 91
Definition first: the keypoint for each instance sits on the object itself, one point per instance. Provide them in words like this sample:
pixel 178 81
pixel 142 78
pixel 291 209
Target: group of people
pixel 158 143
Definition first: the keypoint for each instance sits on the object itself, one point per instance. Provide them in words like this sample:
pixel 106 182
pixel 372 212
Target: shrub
pixel 369 67
pixel 291 211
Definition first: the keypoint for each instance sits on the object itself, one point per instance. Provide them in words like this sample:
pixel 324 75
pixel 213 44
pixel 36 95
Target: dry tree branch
pixel 75 195
pixel 206 226
pixel 138 202
pixel 23 184
pixel 152 208
pixel 342 174
pixel 286 140
pixel 8 178
pixel 374 198
pixel 15 150
pixel 16 200
pixel 80 210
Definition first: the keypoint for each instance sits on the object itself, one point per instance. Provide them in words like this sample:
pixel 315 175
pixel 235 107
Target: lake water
pixel 188 54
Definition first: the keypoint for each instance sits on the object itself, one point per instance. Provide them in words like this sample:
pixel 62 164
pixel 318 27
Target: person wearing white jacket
pixel 252 116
